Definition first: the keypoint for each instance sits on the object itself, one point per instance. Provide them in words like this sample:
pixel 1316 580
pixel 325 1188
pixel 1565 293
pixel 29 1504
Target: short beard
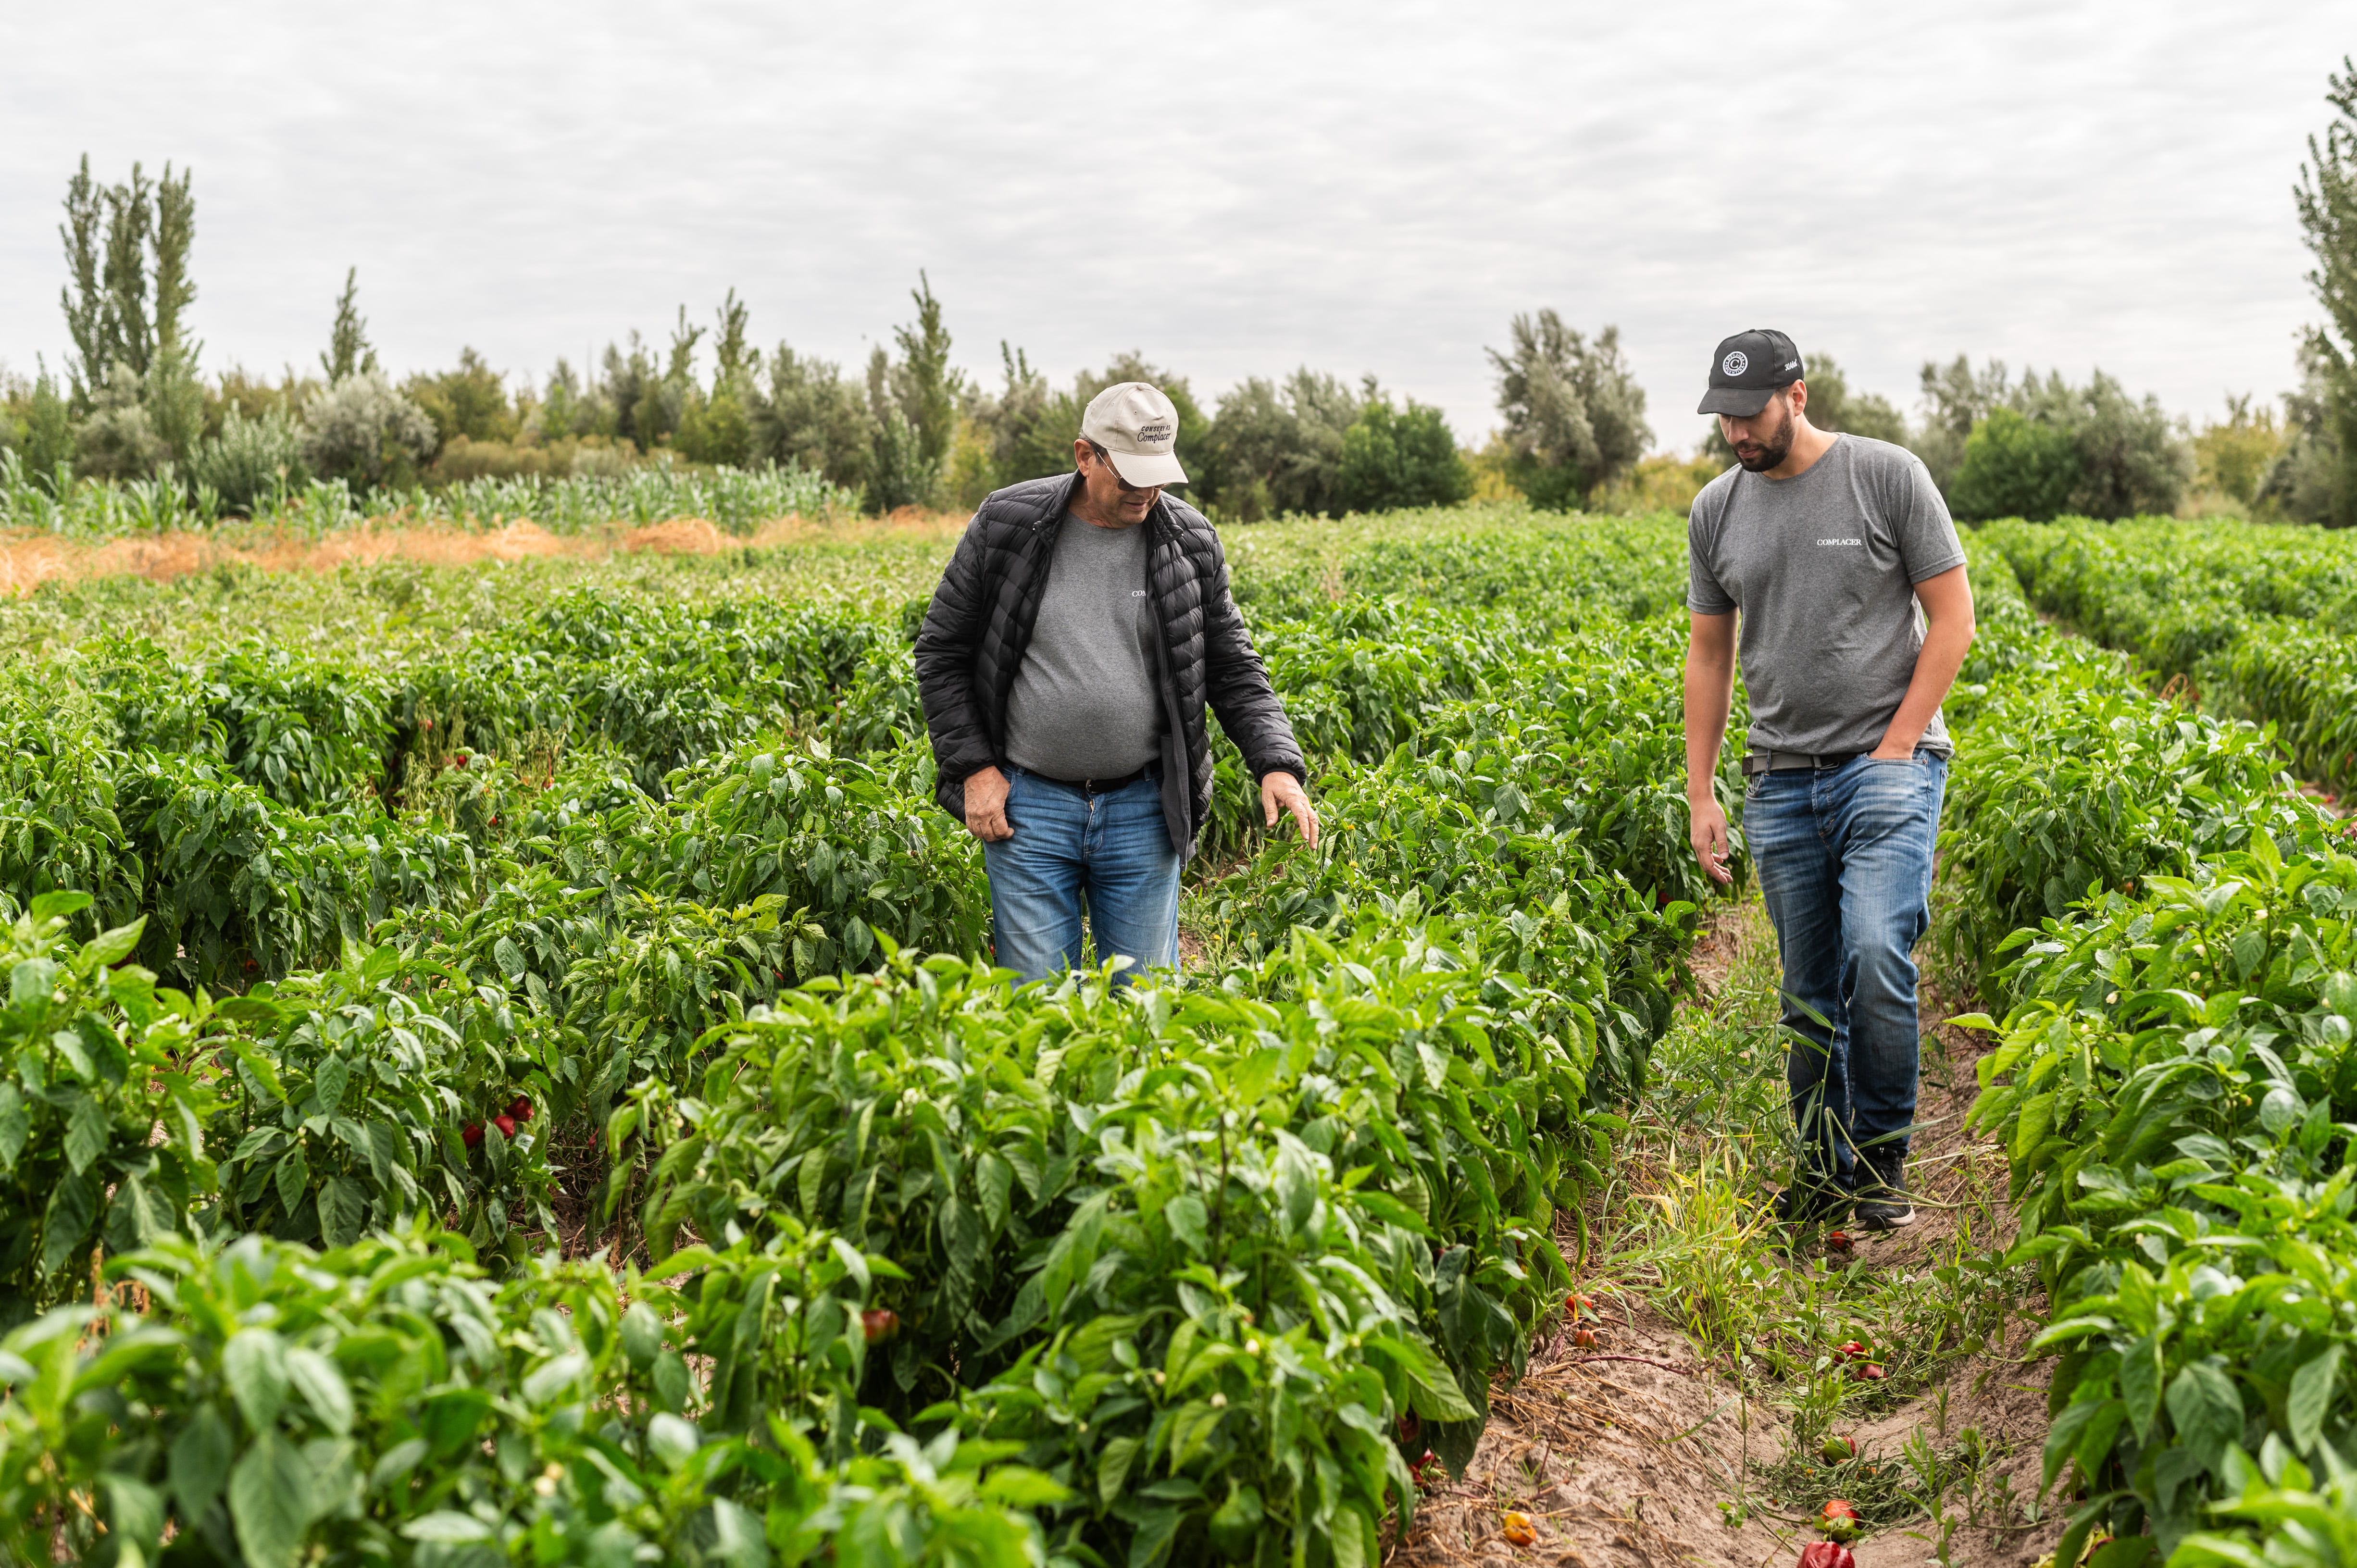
pixel 1772 453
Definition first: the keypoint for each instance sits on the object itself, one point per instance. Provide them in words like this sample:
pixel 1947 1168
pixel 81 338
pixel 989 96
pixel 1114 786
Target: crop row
pixel 1150 1274
pixel 2171 930
pixel 2262 620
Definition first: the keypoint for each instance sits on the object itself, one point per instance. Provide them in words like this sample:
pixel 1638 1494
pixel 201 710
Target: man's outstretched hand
pixel 1283 792
pixel 985 806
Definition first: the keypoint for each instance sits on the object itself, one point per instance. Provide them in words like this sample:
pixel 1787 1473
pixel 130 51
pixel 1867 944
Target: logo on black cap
pixel 1751 368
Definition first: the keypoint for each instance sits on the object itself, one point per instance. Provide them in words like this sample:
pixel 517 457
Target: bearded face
pixel 1765 440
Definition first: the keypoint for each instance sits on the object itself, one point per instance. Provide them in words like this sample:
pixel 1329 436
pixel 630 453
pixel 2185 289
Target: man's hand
pixel 1888 752
pixel 985 806
pixel 1710 689
pixel 1708 828
pixel 1282 791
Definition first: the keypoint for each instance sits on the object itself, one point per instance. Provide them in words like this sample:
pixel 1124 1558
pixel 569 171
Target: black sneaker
pixel 1882 1201
pixel 1811 1203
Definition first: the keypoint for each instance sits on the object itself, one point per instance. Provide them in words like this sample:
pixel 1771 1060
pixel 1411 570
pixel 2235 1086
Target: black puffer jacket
pixel 981 618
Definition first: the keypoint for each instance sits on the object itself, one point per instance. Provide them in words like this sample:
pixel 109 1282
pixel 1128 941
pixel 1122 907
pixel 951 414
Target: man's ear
pixel 1798 395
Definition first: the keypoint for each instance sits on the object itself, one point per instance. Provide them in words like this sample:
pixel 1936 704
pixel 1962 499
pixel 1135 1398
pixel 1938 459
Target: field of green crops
pixel 503 1066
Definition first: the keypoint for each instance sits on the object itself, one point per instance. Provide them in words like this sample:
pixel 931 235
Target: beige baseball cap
pixel 1138 428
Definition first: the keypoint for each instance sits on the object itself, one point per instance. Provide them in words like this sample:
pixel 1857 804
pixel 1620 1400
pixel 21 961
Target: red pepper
pixel 520 1108
pixel 472 1133
pixel 879 1324
pixel 1827 1554
pixel 506 1124
pixel 1410 1428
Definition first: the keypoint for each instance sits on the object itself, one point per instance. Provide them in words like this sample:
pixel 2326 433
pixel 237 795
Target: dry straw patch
pixel 28 561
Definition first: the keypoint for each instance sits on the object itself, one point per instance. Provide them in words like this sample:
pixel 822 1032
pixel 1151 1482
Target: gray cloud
pixel 1233 189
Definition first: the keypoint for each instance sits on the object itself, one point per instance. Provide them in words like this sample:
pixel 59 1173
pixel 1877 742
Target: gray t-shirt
pixel 1087 703
pixel 1823 566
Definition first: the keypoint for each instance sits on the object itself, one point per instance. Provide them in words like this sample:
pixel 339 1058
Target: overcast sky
pixel 1232 189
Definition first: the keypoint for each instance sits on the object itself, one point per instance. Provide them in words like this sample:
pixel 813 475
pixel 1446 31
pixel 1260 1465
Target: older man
pixel 1081 630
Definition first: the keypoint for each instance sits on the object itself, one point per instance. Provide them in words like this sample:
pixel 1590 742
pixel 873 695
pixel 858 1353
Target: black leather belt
pixel 1099 786
pixel 1786 761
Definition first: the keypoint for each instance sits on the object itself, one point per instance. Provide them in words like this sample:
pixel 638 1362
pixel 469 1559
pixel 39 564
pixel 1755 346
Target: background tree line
pixel 2041 448
pixel 912 429
pixel 907 429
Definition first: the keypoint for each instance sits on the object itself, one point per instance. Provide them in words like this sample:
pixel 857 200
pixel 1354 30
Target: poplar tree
pixel 2327 199
pixel 127 272
pixel 349 352
pixel 132 369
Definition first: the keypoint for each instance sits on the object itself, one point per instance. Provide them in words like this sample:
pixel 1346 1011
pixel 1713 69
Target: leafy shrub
pixel 1395 457
pixel 382 1404
pixel 363 432
pixel 58 824
pixel 2171 1091
pixel 100 1109
pixel 1575 414
pixel 2173 1086
pixel 250 458
pixel 1361 1170
pixel 2016 467
pixel 376 1092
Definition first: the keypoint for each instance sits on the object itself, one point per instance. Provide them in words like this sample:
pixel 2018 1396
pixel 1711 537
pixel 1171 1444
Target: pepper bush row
pixel 625 866
pixel 2175 1088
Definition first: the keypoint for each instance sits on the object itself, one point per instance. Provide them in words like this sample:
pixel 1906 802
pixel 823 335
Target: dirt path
pixel 1634 1453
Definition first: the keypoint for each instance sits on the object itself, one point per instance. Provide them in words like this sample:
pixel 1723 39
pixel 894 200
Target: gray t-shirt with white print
pixel 1087 701
pixel 1824 567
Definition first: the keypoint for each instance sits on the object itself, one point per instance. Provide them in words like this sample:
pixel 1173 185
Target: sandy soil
pixel 1623 1454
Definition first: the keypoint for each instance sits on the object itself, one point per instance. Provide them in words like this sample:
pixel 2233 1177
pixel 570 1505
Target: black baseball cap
pixel 1747 370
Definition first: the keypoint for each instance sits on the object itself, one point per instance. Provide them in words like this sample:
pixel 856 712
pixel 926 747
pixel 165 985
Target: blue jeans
pixel 1109 854
pixel 1845 861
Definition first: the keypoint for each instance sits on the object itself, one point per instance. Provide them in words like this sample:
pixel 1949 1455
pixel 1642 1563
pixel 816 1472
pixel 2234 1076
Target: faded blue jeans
pixel 1107 855
pixel 1845 861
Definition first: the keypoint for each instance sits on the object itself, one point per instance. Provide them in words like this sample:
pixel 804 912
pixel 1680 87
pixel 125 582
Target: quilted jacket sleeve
pixel 946 648
pixel 1236 685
